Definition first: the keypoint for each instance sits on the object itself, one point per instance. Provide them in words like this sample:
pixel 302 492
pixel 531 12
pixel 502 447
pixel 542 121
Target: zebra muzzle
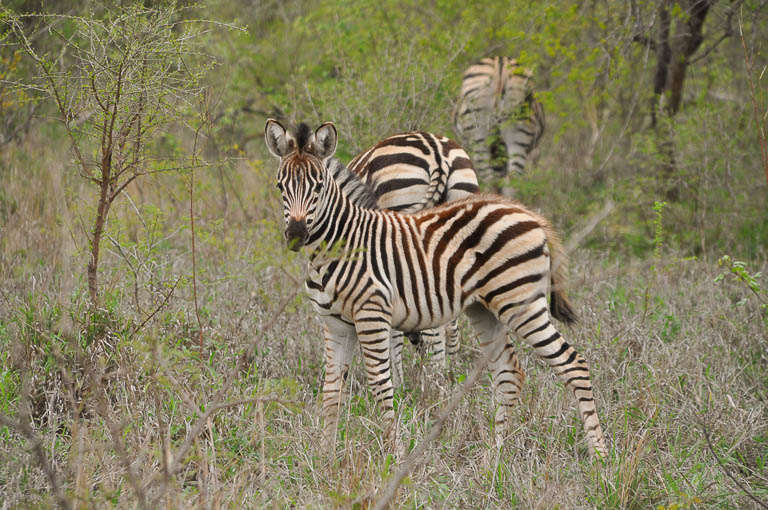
pixel 296 234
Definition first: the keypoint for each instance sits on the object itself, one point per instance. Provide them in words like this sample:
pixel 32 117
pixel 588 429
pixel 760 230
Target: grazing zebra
pixel 497 111
pixel 409 172
pixel 374 270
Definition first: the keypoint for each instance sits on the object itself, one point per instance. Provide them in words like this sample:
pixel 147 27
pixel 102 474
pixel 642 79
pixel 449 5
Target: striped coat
pixel 409 172
pixel 373 270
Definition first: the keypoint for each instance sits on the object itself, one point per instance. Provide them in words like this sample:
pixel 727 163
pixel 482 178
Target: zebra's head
pixel 301 174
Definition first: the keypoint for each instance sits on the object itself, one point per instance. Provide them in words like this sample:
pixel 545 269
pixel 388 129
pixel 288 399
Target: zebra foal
pixel 374 270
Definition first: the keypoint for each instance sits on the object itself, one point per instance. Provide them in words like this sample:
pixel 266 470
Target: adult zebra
pixel 498 118
pixel 409 172
pixel 484 255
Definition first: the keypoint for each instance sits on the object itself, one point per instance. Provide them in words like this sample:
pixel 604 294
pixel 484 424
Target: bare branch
pixel 759 124
pixel 387 494
pixel 156 310
pixel 725 469
pixel 42 459
pixel 727 32
pixel 175 459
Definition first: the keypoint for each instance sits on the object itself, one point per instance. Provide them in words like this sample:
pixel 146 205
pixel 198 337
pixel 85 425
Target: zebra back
pixel 413 171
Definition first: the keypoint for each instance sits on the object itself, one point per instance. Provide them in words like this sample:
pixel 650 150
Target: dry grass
pixel 112 407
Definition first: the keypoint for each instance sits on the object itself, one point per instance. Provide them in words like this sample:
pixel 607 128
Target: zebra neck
pixel 338 222
pixel 359 192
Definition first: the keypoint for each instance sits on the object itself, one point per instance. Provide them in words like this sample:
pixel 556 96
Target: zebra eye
pixel 318 187
pixel 279 185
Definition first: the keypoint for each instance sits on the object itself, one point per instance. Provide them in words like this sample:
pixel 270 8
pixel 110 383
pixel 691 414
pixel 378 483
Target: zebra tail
pixel 438 184
pixel 559 305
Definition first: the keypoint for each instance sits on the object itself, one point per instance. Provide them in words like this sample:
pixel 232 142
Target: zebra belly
pixel 406 317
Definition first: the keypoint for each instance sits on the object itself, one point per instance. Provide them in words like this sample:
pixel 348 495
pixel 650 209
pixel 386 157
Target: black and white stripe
pixel 409 172
pixel 498 118
pixel 413 171
pixel 483 255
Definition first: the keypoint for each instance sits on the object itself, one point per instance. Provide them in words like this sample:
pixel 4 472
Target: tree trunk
pixel 687 40
pixel 105 200
pixel 98 231
pixel 673 54
pixel 662 60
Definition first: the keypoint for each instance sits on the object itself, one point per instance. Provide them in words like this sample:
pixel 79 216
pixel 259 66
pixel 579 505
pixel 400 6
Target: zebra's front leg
pixel 340 339
pixel 373 325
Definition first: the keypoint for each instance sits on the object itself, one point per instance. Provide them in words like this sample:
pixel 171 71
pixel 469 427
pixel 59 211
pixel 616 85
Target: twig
pixel 727 32
pixel 576 239
pixel 156 310
pixel 760 127
pixel 725 470
pixel 174 463
pixel 37 447
pixel 116 431
pixel 626 123
pixel 410 462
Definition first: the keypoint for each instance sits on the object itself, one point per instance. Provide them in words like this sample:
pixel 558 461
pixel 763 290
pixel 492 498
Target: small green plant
pixel 658 242
pixel 739 271
pixel 685 501
pixel 658 229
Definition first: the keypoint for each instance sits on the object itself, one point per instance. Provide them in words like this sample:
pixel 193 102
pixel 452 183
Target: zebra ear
pixel 326 139
pixel 276 138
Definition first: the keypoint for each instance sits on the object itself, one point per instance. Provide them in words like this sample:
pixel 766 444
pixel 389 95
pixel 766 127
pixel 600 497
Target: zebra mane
pixel 357 191
pixel 303 135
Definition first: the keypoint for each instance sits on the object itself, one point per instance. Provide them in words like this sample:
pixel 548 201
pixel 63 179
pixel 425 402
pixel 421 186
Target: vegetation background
pixel 155 346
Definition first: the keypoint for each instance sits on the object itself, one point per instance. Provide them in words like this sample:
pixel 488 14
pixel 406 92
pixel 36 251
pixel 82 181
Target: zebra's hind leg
pixel 434 344
pixel 503 363
pixel 340 340
pixel 533 324
pixel 452 337
pixel 396 350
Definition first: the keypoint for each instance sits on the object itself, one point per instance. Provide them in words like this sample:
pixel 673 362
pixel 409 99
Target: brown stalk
pixel 174 461
pixel 194 256
pixel 388 493
pixel 761 136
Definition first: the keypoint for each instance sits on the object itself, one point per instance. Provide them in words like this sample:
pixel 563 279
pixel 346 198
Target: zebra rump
pixel 498 117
